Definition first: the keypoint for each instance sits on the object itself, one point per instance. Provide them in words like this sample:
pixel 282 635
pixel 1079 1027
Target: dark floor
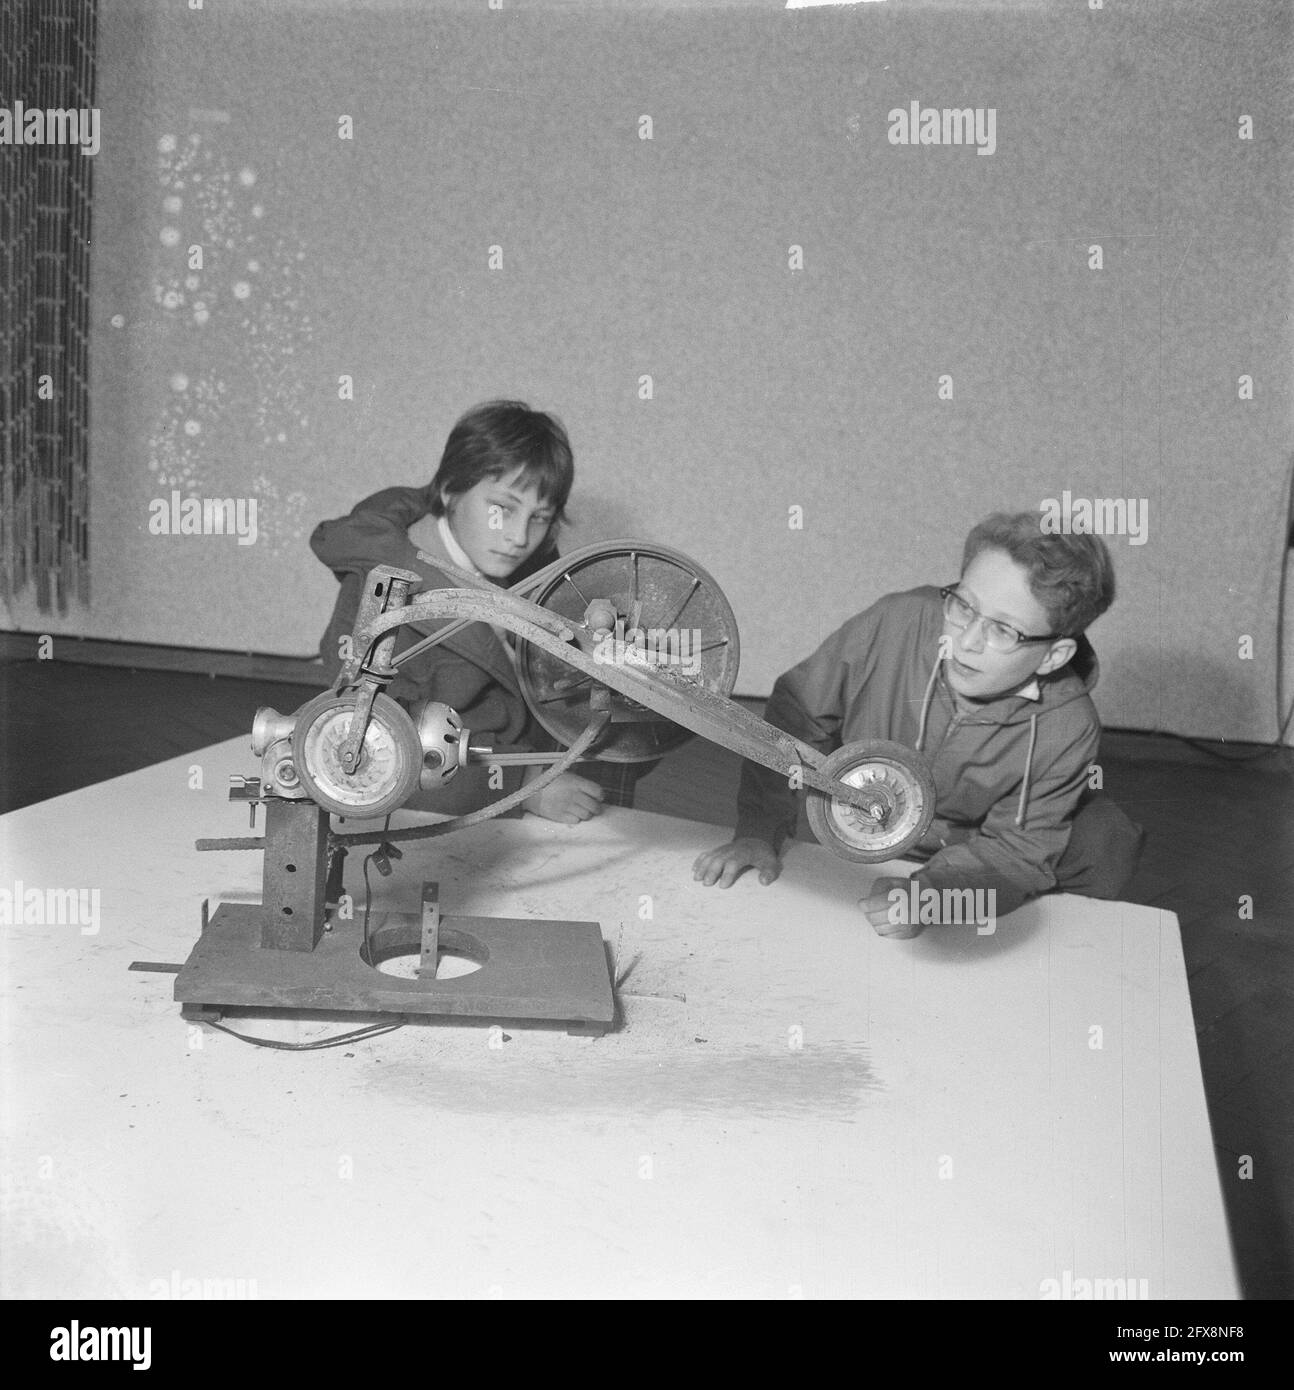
pixel 1220 829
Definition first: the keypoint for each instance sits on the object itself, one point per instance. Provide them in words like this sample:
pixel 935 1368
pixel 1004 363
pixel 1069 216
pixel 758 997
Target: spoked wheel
pixel 904 806
pixel 666 606
pixel 389 764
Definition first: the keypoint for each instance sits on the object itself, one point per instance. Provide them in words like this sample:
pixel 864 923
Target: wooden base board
pixel 550 971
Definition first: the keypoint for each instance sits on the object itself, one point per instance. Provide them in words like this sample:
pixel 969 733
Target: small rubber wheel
pixel 905 793
pixel 389 764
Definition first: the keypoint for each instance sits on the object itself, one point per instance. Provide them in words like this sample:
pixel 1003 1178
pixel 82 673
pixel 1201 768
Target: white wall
pixel 669 257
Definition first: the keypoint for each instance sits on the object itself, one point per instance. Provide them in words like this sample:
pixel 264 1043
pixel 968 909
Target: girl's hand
pixel 569 799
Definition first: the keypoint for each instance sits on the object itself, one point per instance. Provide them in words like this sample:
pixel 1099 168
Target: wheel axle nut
pixel 601 615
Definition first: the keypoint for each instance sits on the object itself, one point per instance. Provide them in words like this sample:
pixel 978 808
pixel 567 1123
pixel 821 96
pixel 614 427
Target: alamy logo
pixel 651 646
pixel 35 125
pixel 921 904
pixel 77 1343
pixel 204 516
pixel 177 1287
pixel 1069 1287
pixel 49 907
pixel 950 125
pixel 1067 515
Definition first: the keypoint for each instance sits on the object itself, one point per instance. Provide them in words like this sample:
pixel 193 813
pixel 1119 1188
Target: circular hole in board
pixel 448 966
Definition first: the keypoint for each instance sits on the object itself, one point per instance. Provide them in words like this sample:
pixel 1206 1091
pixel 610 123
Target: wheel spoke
pixel 678 612
pixel 576 587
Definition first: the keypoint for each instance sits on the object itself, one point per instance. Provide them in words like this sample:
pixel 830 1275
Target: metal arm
pixel 659 689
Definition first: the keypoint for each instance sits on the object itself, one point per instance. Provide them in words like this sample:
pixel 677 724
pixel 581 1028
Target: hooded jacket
pixel 470 671
pixel 1008 772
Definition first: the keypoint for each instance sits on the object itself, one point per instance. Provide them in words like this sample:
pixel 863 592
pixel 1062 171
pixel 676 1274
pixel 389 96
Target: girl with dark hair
pixel 493 507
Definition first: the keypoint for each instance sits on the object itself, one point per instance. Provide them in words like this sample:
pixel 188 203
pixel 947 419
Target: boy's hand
pixel 727 863
pixel 568 799
pixel 881 911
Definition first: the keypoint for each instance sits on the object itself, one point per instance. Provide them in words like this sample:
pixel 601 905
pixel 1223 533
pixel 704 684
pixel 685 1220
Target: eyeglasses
pixel 1002 637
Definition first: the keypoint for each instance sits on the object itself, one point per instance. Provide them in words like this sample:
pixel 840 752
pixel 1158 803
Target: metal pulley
pixel 643 607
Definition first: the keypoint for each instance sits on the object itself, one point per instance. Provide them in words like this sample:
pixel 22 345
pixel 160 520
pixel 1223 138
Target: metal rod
pixel 587 738
pixel 526 759
pixel 238 842
pixel 521 588
pixel 431 640
pixel 576 587
pixel 566 693
pixel 353 743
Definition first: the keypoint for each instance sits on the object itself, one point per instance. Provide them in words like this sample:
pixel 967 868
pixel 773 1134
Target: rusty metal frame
pixel 659 689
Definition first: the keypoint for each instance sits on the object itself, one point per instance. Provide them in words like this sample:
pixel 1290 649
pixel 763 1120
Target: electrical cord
pixel 373 1030
pixel 381 849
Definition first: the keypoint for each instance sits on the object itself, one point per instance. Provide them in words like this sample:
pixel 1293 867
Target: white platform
pixel 793 1107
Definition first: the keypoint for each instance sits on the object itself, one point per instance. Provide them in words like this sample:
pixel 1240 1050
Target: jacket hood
pixel 1078 677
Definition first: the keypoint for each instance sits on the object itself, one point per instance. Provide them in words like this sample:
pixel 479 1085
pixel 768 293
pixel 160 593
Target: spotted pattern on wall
pixel 227 288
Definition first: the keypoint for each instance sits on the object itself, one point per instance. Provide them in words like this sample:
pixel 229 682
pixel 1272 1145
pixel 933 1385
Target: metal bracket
pixel 429 957
pixel 388 591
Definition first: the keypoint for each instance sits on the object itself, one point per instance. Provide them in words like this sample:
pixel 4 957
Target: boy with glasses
pixel 990 679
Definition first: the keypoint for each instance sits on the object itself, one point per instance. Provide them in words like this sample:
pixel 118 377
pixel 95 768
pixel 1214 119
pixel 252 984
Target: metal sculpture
pixel 623 649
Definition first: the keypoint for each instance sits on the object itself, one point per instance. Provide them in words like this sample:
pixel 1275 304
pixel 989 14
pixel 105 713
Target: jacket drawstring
pixel 1028 768
pixel 925 705
pixel 1028 759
